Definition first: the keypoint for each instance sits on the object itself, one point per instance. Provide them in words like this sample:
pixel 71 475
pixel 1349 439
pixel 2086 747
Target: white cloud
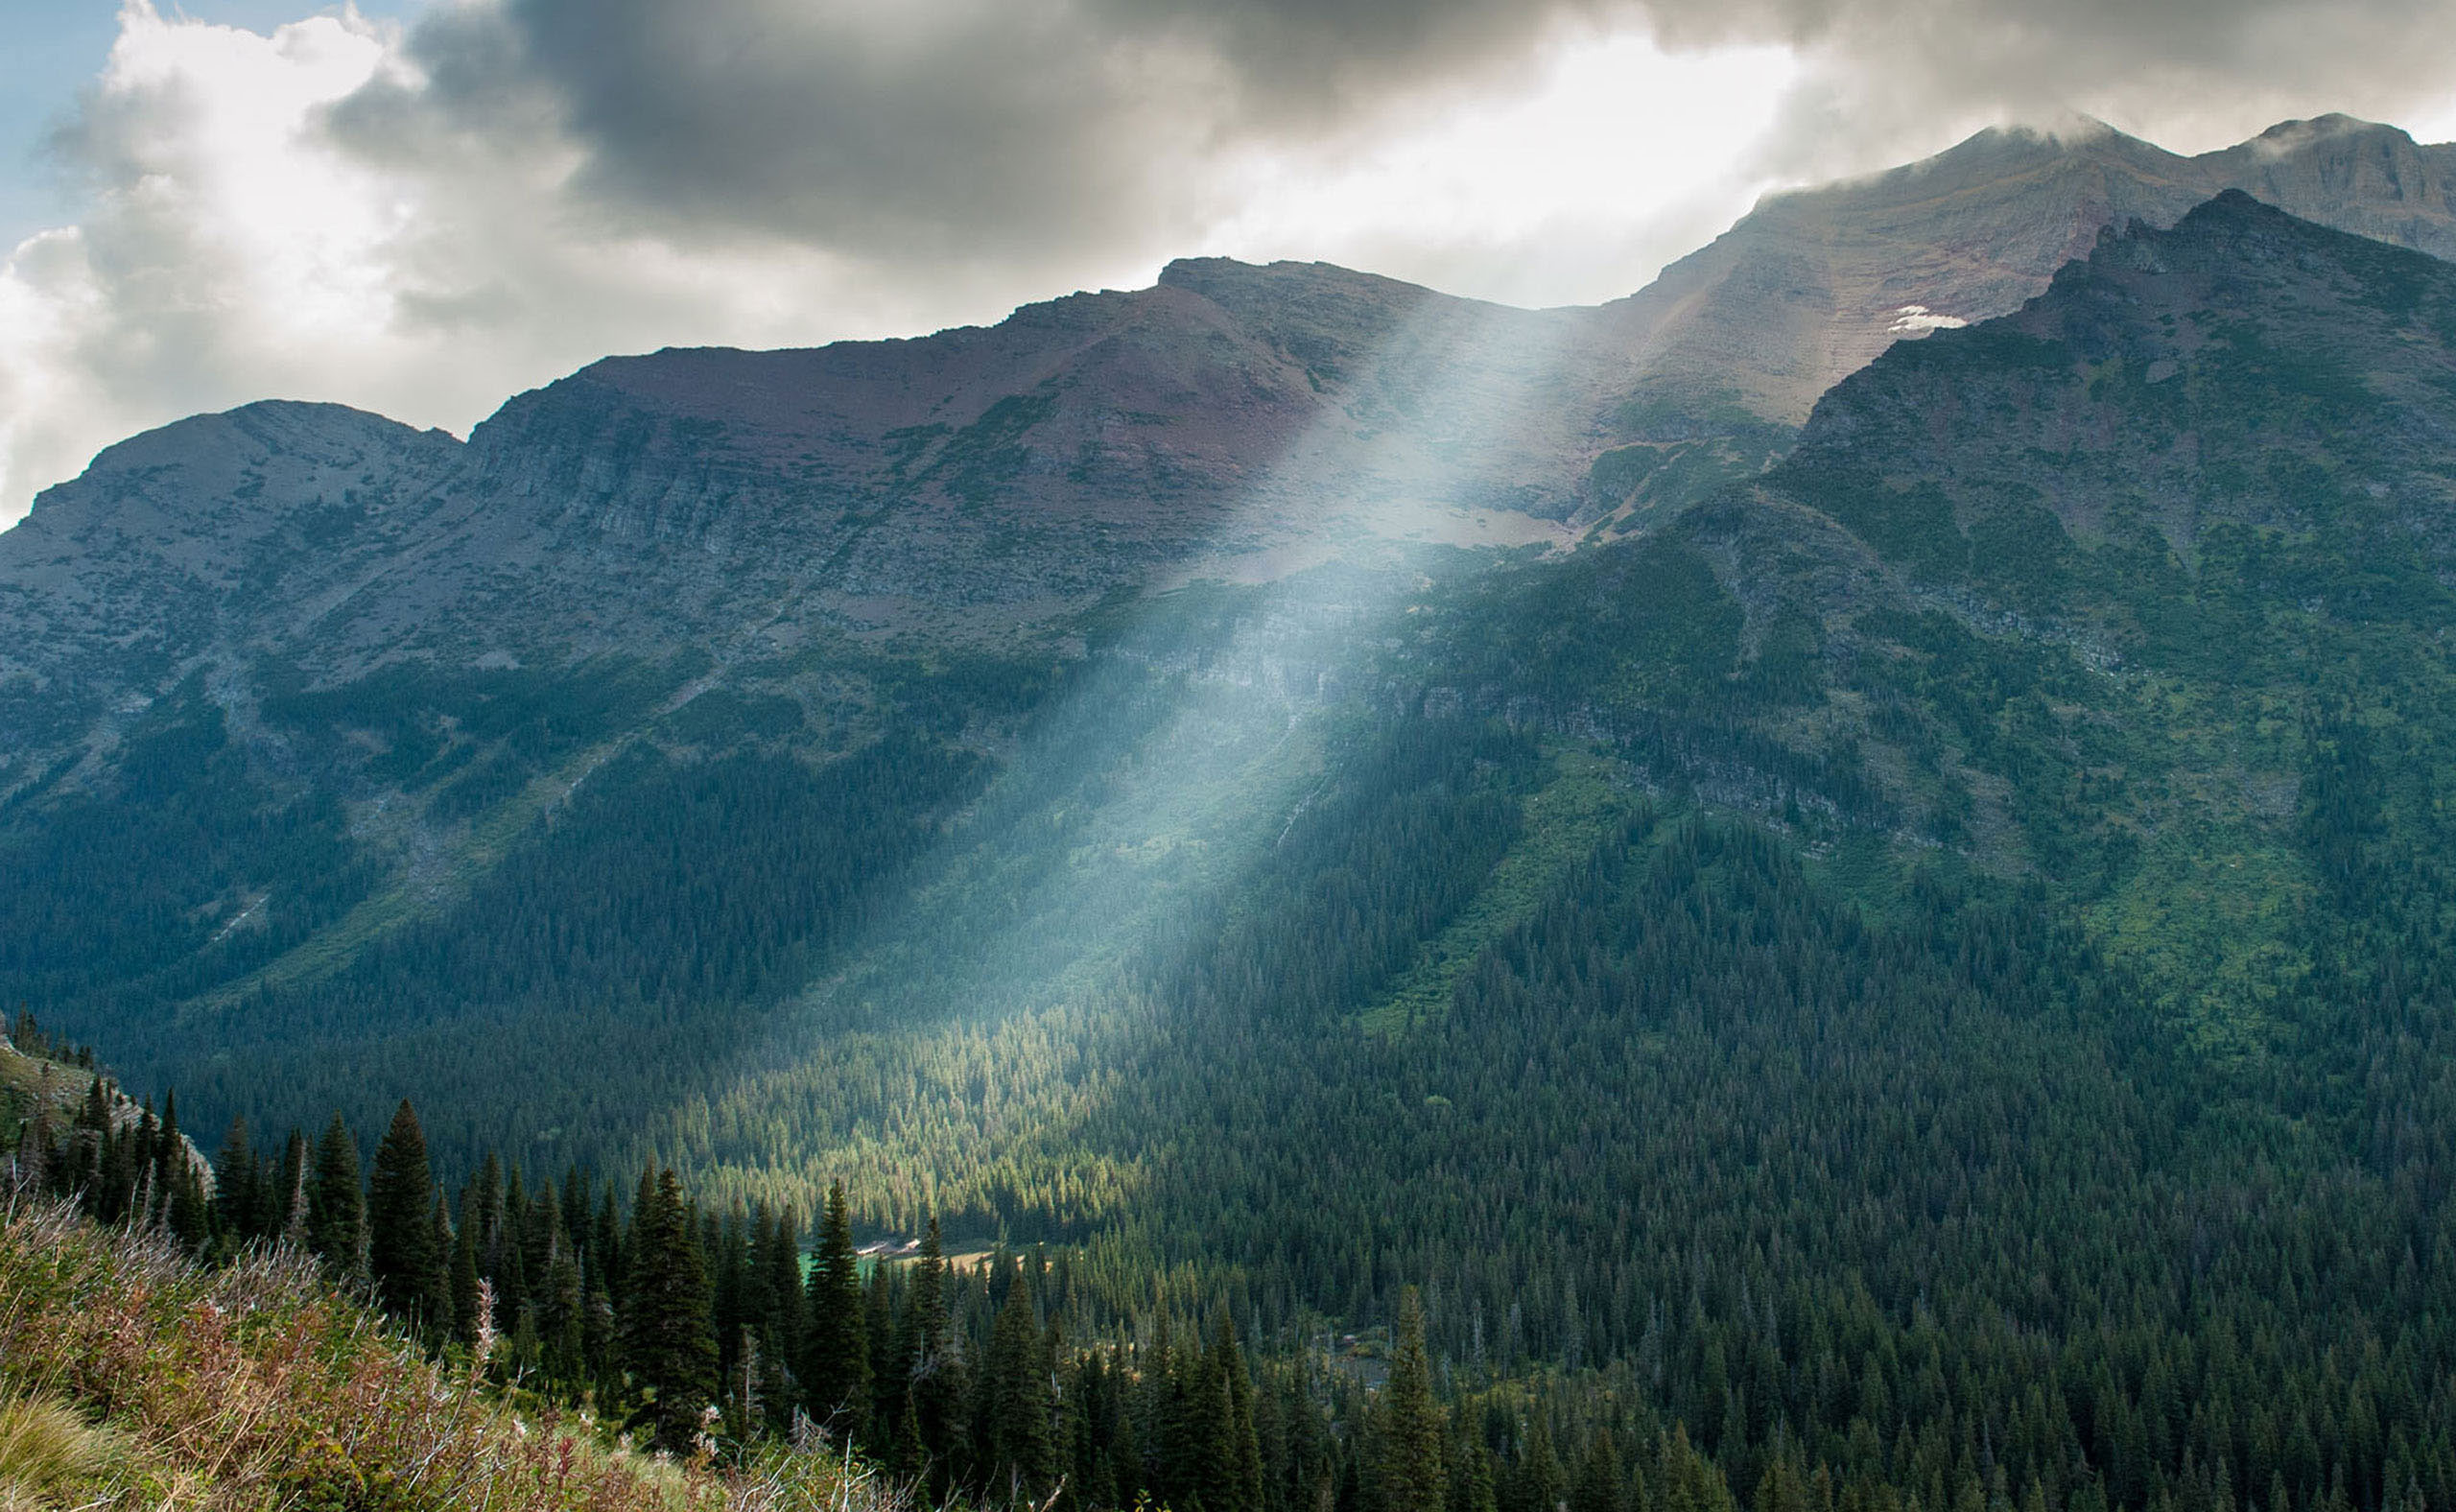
pixel 1611 157
pixel 234 249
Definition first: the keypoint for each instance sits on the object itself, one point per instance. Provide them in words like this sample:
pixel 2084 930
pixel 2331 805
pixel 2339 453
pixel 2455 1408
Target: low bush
pixel 128 1376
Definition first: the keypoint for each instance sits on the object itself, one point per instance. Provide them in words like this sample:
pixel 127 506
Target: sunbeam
pixel 969 1050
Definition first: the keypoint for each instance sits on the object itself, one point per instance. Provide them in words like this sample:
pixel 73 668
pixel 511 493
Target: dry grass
pixel 48 1454
pixel 159 1386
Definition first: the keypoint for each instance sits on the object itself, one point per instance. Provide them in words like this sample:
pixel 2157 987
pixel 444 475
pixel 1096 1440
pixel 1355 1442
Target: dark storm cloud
pixel 937 128
pixel 1028 129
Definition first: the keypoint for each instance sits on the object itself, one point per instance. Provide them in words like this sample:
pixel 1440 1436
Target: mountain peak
pixel 1231 284
pixel 2287 136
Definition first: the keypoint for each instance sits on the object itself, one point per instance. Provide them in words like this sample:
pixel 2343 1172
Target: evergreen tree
pixel 1244 1446
pixel 237 1196
pixel 1538 1486
pixel 891 1384
pixel 401 1254
pixel 285 1204
pixel 1018 1453
pixel 782 1320
pixel 463 1282
pixel 33 1166
pixel 437 1305
pixel 836 1358
pixel 1411 1478
pixel 939 1389
pixel 186 1210
pixel 669 1339
pixel 335 1226
pixel 1598 1478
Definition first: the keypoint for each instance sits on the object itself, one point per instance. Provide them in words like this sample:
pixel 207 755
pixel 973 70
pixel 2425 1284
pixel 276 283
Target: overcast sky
pixel 424 207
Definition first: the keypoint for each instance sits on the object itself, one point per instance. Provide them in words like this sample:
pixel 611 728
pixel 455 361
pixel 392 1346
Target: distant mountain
pixel 1811 285
pixel 978 484
pixel 975 486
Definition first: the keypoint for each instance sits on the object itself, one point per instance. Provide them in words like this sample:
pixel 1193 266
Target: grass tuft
pixel 46 1449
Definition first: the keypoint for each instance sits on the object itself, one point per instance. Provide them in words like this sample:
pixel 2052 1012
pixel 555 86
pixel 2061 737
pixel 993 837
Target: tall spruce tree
pixel 1411 1478
pixel 289 1199
pixel 336 1211
pixel 1019 1456
pixel 939 1390
pixel 835 1356
pixel 400 1223
pixel 891 1384
pixel 669 1336
pixel 238 1200
pixel 1243 1450
pixel 465 1273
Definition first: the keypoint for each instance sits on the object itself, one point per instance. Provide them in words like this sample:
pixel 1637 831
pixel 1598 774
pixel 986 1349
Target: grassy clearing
pixel 24 1080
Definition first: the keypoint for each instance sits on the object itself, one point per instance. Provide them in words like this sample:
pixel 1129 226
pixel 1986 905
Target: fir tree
pixel 939 1388
pixel 1598 1478
pixel 1243 1446
pixel 669 1339
pixel 1019 1455
pixel 288 1201
pixel 891 1384
pixel 336 1211
pixel 400 1222
pixel 464 1280
pixel 238 1197
pixel 835 1356
pixel 1411 1478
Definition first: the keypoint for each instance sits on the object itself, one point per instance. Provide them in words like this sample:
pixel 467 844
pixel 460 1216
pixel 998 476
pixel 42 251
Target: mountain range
pixel 1233 421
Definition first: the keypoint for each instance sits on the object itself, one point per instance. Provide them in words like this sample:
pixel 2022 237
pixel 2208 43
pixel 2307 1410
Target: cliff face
pixel 2246 367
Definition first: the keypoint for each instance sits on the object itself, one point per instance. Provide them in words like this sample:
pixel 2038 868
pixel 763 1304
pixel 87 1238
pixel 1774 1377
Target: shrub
pixel 256 1386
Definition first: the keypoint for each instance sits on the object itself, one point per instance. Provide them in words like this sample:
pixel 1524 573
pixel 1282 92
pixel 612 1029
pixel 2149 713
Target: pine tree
pixel 292 1195
pixel 187 1212
pixel 939 1391
pixel 33 1166
pixel 1243 1450
pixel 783 1322
pixel 400 1221
pixel 1598 1478
pixel 1020 1458
pixel 891 1384
pixel 668 1333
pixel 1411 1478
pixel 836 1355
pixel 238 1200
pixel 610 1262
pixel 464 1280
pixel 336 1211
pixel 437 1304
